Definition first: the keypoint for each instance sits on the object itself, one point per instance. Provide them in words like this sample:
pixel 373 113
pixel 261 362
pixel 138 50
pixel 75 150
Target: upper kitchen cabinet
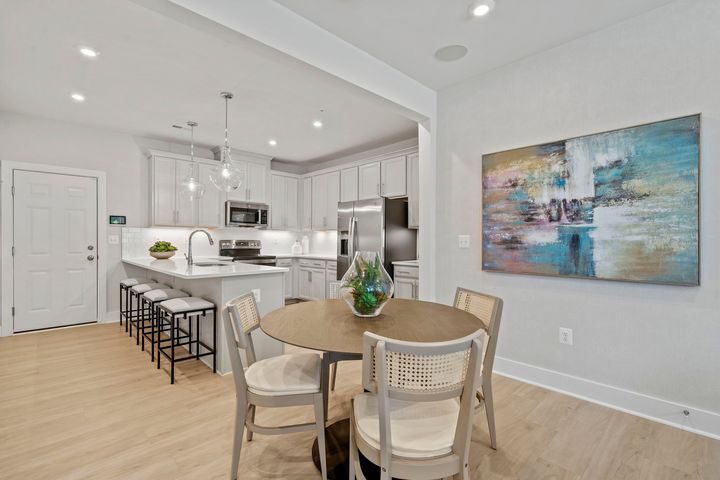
pixel 325 198
pixel 349 184
pixel 307 203
pixel 169 206
pixel 387 178
pixel 255 171
pixel 369 181
pixel 284 203
pixel 393 176
pixel 413 189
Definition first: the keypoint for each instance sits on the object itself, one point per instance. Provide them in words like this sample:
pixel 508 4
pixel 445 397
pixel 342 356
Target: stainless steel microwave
pixel 242 214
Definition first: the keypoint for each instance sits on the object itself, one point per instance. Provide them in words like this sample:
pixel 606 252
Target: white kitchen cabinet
pixel 325 197
pixel 210 205
pixel 290 280
pixel 306 203
pixel 369 181
pixel 311 282
pixel 413 190
pixel 254 183
pixel 407 283
pixel 284 199
pixel 163 191
pixel 349 184
pixel 185 207
pixel 393 176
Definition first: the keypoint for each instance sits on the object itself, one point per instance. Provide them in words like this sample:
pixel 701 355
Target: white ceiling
pixel 156 70
pixel 406 33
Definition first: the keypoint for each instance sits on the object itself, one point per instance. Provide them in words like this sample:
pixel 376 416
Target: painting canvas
pixel 619 205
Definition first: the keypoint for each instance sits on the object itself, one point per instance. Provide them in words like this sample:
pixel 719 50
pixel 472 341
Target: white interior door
pixel 55 277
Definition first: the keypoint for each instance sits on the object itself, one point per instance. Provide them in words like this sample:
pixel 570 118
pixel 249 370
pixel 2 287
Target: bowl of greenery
pixel 162 250
pixel 366 286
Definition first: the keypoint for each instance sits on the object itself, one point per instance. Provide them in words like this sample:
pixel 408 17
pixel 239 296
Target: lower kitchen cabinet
pixel 407 282
pixel 311 283
pixel 290 277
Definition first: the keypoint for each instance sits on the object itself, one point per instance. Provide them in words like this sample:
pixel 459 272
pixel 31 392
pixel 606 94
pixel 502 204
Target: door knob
pixel 90 247
pixel 91 257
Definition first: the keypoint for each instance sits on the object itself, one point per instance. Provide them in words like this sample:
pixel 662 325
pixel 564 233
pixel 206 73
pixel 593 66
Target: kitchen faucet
pixel 188 255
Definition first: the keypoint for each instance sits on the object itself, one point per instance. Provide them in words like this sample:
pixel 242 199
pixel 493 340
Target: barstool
pixel 134 315
pixel 169 313
pixel 148 302
pixel 124 286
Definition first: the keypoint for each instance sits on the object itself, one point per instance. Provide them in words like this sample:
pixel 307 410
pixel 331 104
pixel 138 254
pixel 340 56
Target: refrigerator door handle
pixel 351 239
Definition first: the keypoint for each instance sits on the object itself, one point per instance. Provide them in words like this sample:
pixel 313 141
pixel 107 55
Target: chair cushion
pixel 131 282
pixel 291 374
pixel 164 294
pixel 418 429
pixel 146 287
pixel 186 304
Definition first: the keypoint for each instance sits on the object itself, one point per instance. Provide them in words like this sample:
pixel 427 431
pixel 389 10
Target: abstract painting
pixel 619 205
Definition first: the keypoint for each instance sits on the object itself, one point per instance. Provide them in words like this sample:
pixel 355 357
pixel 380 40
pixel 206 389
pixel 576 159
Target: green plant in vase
pixel 162 250
pixel 366 286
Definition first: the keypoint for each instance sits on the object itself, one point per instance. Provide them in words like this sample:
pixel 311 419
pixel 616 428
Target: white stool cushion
pixel 418 429
pixel 146 287
pixel 131 282
pixel 179 305
pixel 291 374
pixel 164 294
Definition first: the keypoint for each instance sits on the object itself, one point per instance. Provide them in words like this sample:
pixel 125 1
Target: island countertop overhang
pixel 179 268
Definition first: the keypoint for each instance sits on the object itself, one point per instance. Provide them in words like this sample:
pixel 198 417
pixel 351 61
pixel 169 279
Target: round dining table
pixel 330 327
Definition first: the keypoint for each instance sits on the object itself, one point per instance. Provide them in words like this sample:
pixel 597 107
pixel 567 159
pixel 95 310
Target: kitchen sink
pixel 212 264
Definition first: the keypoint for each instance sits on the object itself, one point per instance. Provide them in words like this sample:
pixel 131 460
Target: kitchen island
pixel 219 282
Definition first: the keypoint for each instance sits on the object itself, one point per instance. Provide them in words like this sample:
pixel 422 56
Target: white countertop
pixel 178 267
pixel 407 263
pixel 314 256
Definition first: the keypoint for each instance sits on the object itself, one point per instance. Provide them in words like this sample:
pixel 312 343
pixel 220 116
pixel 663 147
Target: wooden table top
pixel 330 326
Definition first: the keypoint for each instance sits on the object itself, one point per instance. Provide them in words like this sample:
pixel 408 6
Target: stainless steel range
pixel 246 251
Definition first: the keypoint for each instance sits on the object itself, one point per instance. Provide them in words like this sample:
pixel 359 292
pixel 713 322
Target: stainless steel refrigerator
pixel 377 225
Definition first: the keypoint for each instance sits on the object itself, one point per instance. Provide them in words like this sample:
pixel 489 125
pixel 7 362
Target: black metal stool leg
pixel 214 320
pixel 160 319
pixel 172 348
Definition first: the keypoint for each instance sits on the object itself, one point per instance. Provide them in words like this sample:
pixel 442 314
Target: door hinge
pixel 13 250
pixel 13 311
pixel 12 190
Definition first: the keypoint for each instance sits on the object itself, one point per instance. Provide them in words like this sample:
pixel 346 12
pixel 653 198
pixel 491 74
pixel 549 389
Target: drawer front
pixel 412 272
pixel 312 263
pixel 332 265
pixel 284 262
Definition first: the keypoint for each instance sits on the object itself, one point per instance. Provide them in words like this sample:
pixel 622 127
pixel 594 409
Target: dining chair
pixel 410 423
pixel 282 381
pixel 489 310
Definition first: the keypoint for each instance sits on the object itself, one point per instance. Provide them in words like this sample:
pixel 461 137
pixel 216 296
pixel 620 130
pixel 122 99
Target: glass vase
pixel 366 286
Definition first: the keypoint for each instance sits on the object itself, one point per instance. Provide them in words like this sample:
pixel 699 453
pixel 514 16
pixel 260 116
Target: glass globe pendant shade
pixel 192 189
pixel 226 176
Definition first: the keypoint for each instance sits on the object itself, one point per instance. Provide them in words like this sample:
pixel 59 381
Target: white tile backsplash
pixel 136 241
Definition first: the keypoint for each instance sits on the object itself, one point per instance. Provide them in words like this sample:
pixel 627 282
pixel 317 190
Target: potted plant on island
pixel 162 250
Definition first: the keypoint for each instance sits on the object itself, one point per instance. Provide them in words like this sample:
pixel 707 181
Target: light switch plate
pixel 113 239
pixel 464 241
pixel 566 336
pixel 256 294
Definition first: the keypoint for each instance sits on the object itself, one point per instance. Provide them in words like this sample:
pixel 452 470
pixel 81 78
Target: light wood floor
pixel 85 403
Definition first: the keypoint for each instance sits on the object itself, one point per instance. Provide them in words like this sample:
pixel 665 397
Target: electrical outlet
pixel 113 239
pixel 464 241
pixel 566 336
pixel 256 294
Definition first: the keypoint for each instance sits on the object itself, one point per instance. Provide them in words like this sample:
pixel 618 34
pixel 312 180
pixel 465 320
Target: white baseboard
pixel 702 422
pixel 111 317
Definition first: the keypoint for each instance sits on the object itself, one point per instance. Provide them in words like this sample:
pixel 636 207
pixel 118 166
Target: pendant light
pixel 191 187
pixel 226 176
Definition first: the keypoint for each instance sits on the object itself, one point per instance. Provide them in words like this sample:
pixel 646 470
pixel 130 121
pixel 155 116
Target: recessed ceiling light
pixel 482 8
pixel 451 53
pixel 89 52
pixel 317 124
pixel 272 142
pixel 78 97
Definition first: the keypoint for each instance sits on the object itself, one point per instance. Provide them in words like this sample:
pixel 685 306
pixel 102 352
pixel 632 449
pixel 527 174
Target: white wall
pixel 660 341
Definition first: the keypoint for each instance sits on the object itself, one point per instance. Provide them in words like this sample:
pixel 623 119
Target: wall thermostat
pixel 117 219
